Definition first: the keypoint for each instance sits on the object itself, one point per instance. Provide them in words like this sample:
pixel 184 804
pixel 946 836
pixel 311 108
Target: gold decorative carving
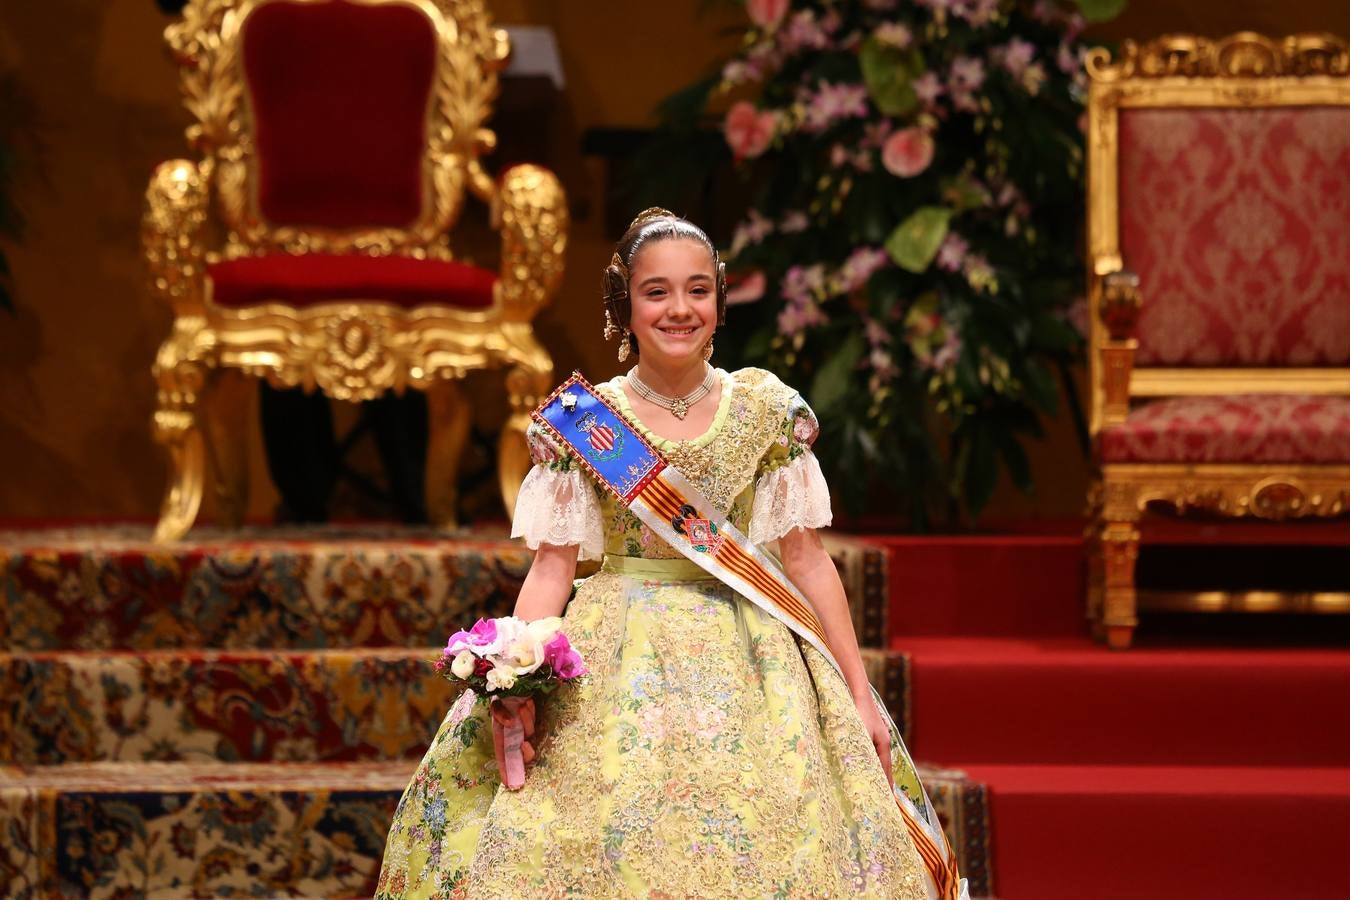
pixel 349 349
pixel 1242 55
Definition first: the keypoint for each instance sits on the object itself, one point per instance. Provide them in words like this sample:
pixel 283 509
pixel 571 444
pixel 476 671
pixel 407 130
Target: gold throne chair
pixel 1218 203
pixel 309 243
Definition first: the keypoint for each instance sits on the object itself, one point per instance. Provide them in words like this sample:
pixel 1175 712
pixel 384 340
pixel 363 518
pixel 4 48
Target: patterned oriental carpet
pixel 237 714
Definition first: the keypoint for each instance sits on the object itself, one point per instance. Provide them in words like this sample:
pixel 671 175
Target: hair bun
pixel 651 214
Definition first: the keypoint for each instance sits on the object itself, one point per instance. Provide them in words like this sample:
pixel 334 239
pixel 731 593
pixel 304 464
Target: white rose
pixel 501 678
pixel 463 665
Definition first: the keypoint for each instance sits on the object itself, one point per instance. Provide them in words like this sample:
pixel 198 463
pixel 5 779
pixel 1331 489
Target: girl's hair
pixel 651 225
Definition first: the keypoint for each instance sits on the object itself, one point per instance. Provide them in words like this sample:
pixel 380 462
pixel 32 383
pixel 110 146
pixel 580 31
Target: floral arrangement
pixel 911 250
pixel 510 661
pixel 508 657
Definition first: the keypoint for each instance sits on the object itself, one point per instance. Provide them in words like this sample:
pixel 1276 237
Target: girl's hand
pixel 877 730
pixel 508 712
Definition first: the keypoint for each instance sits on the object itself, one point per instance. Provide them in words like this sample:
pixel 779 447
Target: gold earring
pixel 625 347
pixel 707 349
pixel 610 330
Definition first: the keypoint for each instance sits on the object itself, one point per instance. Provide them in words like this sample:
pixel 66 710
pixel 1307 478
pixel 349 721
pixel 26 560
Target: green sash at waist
pixel 654 569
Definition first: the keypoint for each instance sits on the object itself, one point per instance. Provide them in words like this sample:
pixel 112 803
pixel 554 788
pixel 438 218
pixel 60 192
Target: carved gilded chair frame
pixel 1244 71
pixel 349 349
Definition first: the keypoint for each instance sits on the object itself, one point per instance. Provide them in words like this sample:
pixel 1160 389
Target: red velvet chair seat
pixel 1246 428
pixel 315 278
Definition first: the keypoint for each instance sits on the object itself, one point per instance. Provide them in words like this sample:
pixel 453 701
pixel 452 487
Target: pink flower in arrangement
pixel 749 132
pixel 834 102
pixel 482 637
pixel 766 13
pixel 1016 55
pixel 804 32
pixel 907 152
pixel 980 13
pixel 752 231
pixel 927 88
pixel 949 352
pixel 952 254
pixel 801 284
pixel 559 655
pixel 966 77
pixel 861 264
pixel 748 289
pixel 799 315
pixel 794 222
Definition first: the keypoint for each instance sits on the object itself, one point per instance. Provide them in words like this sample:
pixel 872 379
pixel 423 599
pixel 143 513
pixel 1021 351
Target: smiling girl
pixel 713 751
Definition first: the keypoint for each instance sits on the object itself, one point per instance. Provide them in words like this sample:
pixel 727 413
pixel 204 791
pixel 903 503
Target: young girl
pixel 711 752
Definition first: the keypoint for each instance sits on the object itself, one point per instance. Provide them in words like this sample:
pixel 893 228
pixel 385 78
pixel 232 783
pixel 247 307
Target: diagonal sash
pixel 624 463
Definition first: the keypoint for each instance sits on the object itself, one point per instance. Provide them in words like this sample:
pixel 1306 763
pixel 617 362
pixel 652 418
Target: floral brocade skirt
pixel 707 754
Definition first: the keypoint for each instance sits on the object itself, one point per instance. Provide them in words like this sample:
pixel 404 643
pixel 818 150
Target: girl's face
pixel 674 300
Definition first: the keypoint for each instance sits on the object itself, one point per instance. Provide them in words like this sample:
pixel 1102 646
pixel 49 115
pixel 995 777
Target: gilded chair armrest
pixel 1119 312
pixel 173 233
pixel 530 210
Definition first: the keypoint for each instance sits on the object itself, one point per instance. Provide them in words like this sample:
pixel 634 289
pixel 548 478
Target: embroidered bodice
pixel 754 462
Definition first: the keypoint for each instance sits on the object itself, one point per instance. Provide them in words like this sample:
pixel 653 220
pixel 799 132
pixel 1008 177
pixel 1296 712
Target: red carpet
pixel 1156 833
pixel 1072 702
pixel 1179 769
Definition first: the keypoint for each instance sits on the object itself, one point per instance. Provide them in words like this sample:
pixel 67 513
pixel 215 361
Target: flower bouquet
pixel 510 661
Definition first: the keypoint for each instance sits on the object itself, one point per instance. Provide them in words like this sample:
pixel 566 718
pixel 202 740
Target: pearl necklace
pixel 678 406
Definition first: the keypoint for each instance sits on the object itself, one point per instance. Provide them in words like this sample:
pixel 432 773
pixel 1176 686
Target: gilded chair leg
pixel 1120 551
pixel 448 420
pixel 527 388
pixel 181 369
pixel 225 419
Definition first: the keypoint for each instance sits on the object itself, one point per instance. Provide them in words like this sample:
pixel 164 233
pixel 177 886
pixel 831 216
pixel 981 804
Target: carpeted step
pixel 305 588
pixel 318 705
pixel 1073 702
pixel 214 829
pixel 249 706
pixel 317 587
pixel 197 829
pixel 1168 832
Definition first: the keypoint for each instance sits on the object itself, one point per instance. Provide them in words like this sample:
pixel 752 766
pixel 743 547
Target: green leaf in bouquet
pixel 1101 10
pixel 889 74
pixel 915 241
pixel 831 382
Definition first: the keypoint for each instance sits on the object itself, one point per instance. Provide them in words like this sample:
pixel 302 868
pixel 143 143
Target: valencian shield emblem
pixel 605 441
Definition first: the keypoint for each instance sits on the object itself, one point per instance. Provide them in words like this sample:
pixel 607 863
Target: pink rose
pixel 748 289
pixel 907 152
pixel 766 13
pixel 749 131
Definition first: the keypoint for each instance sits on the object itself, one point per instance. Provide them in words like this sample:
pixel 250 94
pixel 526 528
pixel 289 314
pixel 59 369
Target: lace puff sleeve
pixel 557 503
pixel 791 491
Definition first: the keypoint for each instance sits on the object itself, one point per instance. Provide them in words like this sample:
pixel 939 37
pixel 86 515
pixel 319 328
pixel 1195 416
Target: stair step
pixel 259 829
pixel 112 588
pixel 1166 832
pixel 249 706
pixel 1073 702
pixel 204 829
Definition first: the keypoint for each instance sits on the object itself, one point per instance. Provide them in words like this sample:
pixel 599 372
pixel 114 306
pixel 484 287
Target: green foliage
pixel 914 179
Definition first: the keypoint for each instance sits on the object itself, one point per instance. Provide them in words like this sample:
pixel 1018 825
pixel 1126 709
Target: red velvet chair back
pixel 1236 221
pixel 338 93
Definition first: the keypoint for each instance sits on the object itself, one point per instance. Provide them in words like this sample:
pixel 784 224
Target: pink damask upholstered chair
pixel 309 244
pixel 1219 241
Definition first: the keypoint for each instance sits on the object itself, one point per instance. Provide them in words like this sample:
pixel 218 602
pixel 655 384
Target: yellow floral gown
pixel 708 753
